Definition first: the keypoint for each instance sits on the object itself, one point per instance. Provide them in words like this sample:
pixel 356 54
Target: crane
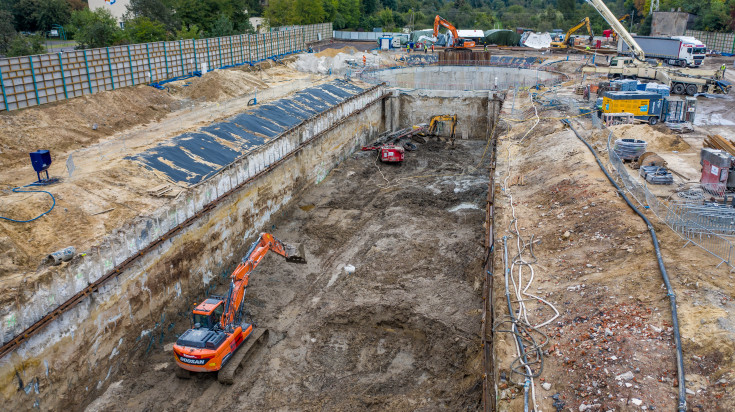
pixel 457 42
pixel 618 27
pixel 565 43
pixel 219 328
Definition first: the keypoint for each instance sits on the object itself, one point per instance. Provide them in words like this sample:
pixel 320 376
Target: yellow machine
pixel 434 124
pixel 567 39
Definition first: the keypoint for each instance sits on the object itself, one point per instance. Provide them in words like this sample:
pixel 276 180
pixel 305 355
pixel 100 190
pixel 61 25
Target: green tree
pixel 280 13
pixel 7 30
pixel 26 46
pixel 154 10
pixel 144 30
pixel 39 15
pixel 567 8
pixel 191 32
pixel 350 11
pixel 308 12
pixel 95 28
pixel 386 19
pixel 221 27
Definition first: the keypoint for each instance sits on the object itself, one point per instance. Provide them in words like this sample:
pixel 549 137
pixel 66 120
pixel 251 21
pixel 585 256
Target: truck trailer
pixel 680 51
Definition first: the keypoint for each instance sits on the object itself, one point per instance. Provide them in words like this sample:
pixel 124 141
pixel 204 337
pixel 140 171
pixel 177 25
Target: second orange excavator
pixel 221 338
pixel 456 41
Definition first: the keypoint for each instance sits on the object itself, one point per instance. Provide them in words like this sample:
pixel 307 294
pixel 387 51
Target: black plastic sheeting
pixel 196 156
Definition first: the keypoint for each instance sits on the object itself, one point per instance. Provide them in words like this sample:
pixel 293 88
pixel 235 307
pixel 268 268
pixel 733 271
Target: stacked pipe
pixel 629 149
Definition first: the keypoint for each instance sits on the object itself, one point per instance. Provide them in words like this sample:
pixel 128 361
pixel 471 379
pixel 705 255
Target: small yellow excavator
pixel 434 124
pixel 564 44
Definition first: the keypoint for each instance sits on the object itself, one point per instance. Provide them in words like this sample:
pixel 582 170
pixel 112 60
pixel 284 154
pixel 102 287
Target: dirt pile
pixel 333 52
pixel 78 122
pixel 217 85
pixel 659 138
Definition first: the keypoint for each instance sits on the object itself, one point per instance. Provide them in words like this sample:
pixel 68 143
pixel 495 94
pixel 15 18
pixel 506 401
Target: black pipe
pixel 669 290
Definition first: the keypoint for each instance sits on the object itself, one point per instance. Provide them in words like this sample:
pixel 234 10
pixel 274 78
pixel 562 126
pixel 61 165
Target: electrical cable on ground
pixel 521 327
pixel 669 290
pixel 16 190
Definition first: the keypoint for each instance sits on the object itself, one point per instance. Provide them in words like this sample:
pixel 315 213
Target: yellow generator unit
pixel 643 105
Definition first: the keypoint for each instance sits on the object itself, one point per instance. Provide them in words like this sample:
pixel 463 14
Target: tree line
pixel 540 15
pixel 24 23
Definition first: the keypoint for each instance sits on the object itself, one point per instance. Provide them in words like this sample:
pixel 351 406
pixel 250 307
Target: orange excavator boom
pixel 219 329
pixel 241 275
pixel 458 41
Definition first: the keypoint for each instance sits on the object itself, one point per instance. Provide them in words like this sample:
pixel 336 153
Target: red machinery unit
pixel 391 154
pixel 715 169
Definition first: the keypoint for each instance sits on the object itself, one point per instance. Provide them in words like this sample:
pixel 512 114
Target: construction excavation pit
pixel 309 233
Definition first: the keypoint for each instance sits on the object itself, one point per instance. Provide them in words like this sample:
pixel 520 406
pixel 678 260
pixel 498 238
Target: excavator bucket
pixel 295 254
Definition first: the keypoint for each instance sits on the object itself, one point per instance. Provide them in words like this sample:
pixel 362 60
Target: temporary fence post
pixel 132 72
pixel 165 58
pixel 196 64
pixel 150 69
pixel 181 54
pixel 63 80
pixel 209 60
pixel 242 50
pixel 109 65
pixel 250 51
pixel 2 85
pixel 290 42
pixel 86 65
pixel 232 54
pixel 219 45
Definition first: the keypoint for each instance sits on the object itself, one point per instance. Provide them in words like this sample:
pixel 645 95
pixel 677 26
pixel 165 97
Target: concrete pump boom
pixel 610 18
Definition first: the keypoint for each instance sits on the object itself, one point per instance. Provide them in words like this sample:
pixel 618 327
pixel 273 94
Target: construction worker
pixel 485 48
pixel 364 60
pixel 432 47
pixel 426 48
pixel 408 48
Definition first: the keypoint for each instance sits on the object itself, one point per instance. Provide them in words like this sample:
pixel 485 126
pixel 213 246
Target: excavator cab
pixel 208 313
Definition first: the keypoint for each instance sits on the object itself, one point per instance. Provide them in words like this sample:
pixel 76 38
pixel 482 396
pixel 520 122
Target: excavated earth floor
pixel 611 348
pixel 401 333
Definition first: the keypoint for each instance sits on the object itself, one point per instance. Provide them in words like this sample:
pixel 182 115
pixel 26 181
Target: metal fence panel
pixel 35 80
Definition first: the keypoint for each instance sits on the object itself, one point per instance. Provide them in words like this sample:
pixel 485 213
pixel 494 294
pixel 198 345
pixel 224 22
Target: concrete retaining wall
pixel 132 313
pixel 462 78
pixel 475 110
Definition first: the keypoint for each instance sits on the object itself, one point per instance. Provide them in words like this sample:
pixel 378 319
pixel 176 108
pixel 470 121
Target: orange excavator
pixel 221 338
pixel 457 42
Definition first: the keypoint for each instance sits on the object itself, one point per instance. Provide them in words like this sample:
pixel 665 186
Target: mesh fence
pixel 695 221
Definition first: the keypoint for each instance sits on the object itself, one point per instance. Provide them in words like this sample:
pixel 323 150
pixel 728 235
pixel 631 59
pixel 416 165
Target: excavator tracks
pixel 257 340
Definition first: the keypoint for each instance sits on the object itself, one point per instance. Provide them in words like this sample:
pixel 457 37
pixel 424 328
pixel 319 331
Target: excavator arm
pixel 241 275
pixel 458 41
pixel 584 22
pixel 440 21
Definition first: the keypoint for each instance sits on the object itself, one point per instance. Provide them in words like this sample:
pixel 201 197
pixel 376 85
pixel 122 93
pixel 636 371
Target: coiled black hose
pixel 669 290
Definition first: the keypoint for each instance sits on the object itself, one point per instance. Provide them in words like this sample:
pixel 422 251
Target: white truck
pixel 680 51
